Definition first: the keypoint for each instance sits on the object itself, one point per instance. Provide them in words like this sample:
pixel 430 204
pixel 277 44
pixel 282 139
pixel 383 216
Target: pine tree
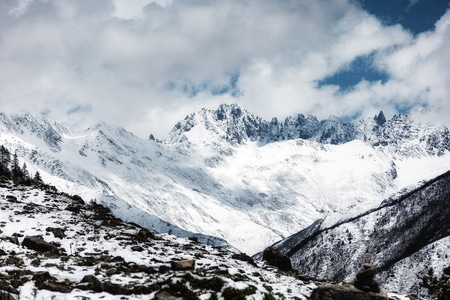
pixel 37 178
pixel 16 171
pixel 25 174
pixel 5 160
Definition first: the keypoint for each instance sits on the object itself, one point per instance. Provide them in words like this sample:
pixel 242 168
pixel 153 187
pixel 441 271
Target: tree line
pixel 11 169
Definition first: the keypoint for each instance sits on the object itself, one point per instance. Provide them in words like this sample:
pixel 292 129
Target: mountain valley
pixel 233 181
pixel 219 168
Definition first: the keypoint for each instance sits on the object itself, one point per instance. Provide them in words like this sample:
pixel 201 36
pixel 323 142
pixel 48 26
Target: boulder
pixel 57 232
pixel 164 295
pixel 111 271
pixel 276 258
pixel 55 287
pixel 345 292
pixel 41 276
pixel 365 279
pixel 38 244
pixel 244 257
pixel 90 282
pixel 137 248
pixel 182 265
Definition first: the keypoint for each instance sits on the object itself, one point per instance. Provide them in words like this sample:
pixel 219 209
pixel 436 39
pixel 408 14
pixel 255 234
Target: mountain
pixel 239 126
pixel 231 176
pixel 407 238
pixel 55 246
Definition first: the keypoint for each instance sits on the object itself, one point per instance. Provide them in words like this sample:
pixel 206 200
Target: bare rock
pixel 345 292
pixel 55 287
pixel 365 279
pixel 90 282
pixel 38 244
pixel 183 265
pixel 244 257
pixel 57 232
pixel 164 295
pixel 111 271
pixel 276 258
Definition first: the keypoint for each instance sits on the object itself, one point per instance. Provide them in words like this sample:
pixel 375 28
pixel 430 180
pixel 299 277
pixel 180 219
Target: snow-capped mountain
pixel 229 174
pixel 404 238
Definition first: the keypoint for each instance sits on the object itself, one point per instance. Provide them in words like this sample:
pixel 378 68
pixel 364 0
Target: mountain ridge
pixel 219 168
pixel 237 126
pixel 412 225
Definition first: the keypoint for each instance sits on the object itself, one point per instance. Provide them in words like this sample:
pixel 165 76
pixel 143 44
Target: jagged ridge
pixel 238 126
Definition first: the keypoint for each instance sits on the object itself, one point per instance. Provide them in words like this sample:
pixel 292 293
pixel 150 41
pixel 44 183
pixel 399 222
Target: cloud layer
pixel 146 66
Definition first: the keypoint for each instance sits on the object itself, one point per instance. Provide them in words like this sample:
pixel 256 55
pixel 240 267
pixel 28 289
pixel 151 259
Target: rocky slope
pixel 405 237
pixel 56 246
pixel 230 175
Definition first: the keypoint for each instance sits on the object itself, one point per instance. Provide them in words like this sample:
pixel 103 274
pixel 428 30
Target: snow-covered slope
pixel 53 246
pixel 403 238
pixel 229 174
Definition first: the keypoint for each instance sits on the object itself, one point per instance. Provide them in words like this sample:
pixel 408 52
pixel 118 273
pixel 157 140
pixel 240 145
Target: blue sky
pixel 145 64
pixel 414 16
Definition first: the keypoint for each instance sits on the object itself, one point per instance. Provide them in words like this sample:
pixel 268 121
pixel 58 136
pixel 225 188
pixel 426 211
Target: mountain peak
pixel 229 122
pixel 237 126
pixel 37 126
pixel 380 119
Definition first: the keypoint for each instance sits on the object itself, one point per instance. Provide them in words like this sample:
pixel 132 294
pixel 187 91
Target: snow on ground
pixel 92 242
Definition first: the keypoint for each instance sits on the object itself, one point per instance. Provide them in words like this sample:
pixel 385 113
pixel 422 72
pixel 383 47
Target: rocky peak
pixel 229 122
pixel 229 112
pixel 241 125
pixel 380 119
pixel 236 126
pixel 36 126
pixel 334 131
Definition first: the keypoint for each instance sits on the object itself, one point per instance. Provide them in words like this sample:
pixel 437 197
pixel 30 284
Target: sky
pixel 146 64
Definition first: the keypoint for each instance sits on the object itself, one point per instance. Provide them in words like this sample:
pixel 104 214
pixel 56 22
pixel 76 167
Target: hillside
pixel 55 246
pixel 407 238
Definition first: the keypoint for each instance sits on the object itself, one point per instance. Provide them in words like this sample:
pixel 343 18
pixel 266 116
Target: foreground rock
pixel 365 279
pixel 276 258
pixel 38 244
pixel 183 265
pixel 344 292
pixel 365 288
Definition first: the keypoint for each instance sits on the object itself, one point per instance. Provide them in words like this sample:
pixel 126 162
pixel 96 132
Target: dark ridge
pixel 313 230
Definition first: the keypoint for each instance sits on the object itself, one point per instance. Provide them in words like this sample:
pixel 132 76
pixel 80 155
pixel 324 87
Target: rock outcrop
pixel 276 258
pixel 345 292
pixel 38 244
pixel 365 287
pixel 365 279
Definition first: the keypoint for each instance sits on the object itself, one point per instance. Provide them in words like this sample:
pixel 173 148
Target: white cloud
pixel 129 62
pixel 19 8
